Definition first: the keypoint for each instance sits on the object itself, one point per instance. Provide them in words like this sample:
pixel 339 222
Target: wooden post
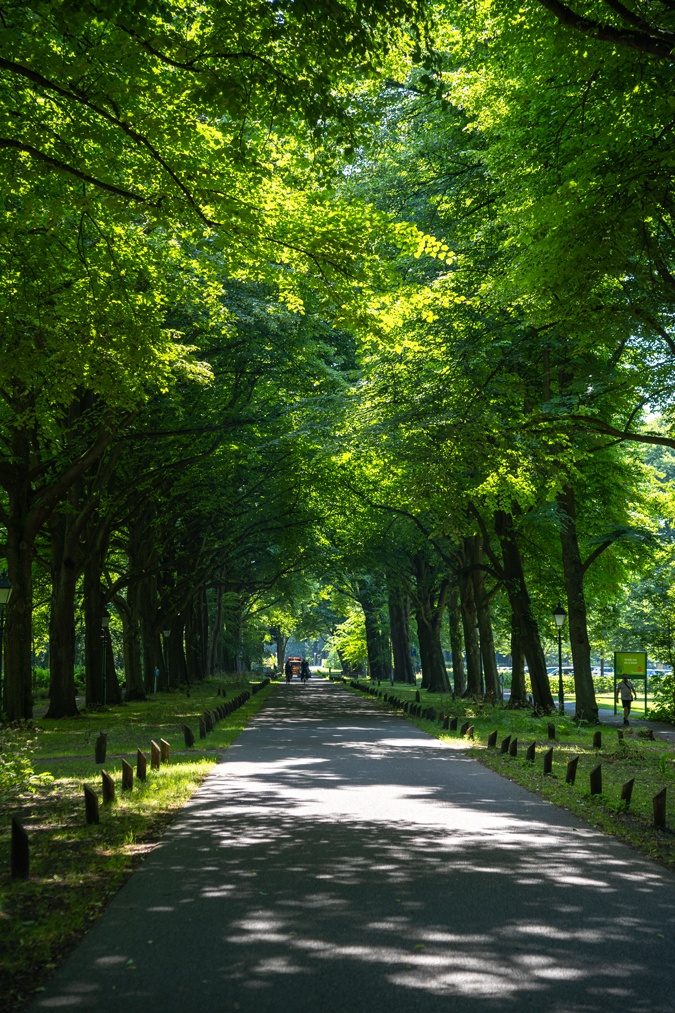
pixel 20 859
pixel 492 739
pixel 127 776
pixel 141 765
pixel 596 780
pixel 548 760
pixel 165 750
pixel 188 736
pixel 464 729
pixel 627 791
pixel 513 747
pixel 155 755
pixel 100 747
pixel 506 743
pixel 597 740
pixel 417 696
pixel 90 805
pixel 529 755
pixel 571 774
pixel 453 724
pixel 659 803
pixel 202 728
pixel 619 732
pixel 551 730
pixel 108 787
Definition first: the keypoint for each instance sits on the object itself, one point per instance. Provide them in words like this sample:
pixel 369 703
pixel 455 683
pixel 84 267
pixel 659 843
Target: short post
pixel 513 747
pixel 506 743
pixel 446 722
pixel 165 750
pixel 417 696
pixel 551 730
pixel 596 780
pixel 627 791
pixel 141 765
pixel 90 805
pixel 155 755
pixel 453 724
pixel 464 729
pixel 659 804
pixel 108 787
pixel 202 728
pixel 469 732
pixel 100 747
pixel 127 776
pixel 571 773
pixel 188 736
pixel 619 733
pixel 20 859
pixel 548 761
pixel 529 755
pixel 597 740
pixel 492 739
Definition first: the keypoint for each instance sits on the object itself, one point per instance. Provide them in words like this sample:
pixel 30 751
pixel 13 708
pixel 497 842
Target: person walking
pixel 288 670
pixel 626 690
pixel 304 671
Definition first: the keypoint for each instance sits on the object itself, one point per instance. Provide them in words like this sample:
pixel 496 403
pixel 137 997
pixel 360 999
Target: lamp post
pixel 166 633
pixel 5 594
pixel 105 623
pixel 560 616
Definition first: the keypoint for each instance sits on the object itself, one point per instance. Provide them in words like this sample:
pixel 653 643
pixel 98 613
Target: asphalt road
pixel 340 859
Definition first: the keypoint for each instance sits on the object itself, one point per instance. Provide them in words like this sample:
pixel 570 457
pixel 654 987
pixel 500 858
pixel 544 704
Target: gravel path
pixel 341 859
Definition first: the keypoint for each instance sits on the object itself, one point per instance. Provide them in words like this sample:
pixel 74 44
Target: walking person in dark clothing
pixel 304 671
pixel 288 670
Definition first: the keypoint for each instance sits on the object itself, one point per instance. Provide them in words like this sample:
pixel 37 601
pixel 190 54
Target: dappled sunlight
pixel 388 873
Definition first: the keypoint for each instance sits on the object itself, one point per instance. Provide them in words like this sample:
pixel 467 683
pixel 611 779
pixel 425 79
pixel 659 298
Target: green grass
pixel 652 764
pixel 75 868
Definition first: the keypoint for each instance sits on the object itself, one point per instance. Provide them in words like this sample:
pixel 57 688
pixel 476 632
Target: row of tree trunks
pixel 456 647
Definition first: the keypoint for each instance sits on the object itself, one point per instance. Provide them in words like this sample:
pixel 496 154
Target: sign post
pixel 634 665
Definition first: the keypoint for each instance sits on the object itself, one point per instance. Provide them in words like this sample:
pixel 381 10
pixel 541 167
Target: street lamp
pixel 560 616
pixel 105 623
pixel 5 594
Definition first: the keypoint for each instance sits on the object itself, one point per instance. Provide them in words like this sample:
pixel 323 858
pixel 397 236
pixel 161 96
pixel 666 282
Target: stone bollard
pixel 20 858
pixel 100 747
pixel 596 780
pixel 492 739
pixel 529 755
pixel 627 791
pixel 571 773
pixel 506 743
pixel 464 729
pixel 141 765
pixel 202 728
pixel 513 747
pixel 619 733
pixel 90 805
pixel 127 776
pixel 108 787
pixel 597 740
pixel 469 732
pixel 188 736
pixel 417 696
pixel 155 755
pixel 551 730
pixel 548 761
pixel 165 750
pixel 659 805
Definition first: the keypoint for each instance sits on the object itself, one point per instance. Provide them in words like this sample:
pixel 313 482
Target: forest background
pixel 351 319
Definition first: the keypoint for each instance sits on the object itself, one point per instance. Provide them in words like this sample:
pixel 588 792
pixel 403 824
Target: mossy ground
pixel 74 868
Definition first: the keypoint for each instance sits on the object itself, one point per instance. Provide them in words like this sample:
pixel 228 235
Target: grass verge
pixel 76 869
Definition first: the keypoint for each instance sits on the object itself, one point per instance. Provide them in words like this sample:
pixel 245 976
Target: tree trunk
pixel 454 616
pixel 573 569
pixel 434 673
pixel 217 632
pixel 18 638
pixel 93 613
pixel 487 641
pixel 376 643
pixel 518 691
pixel 64 572
pixel 399 628
pixel 471 642
pixel 521 606
pixel 113 691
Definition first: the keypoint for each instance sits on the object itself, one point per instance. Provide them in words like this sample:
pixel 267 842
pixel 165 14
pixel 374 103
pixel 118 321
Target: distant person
pixel 626 690
pixel 288 670
pixel 304 670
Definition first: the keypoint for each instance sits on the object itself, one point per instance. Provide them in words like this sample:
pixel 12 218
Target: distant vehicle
pixel 295 665
pixel 553 670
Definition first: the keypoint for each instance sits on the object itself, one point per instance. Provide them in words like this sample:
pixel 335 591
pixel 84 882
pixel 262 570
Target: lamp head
pixel 6 588
pixel 559 615
pixel 105 619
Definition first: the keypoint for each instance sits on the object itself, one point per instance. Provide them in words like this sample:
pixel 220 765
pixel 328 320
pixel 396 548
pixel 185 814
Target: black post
pixel 2 631
pixel 561 695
